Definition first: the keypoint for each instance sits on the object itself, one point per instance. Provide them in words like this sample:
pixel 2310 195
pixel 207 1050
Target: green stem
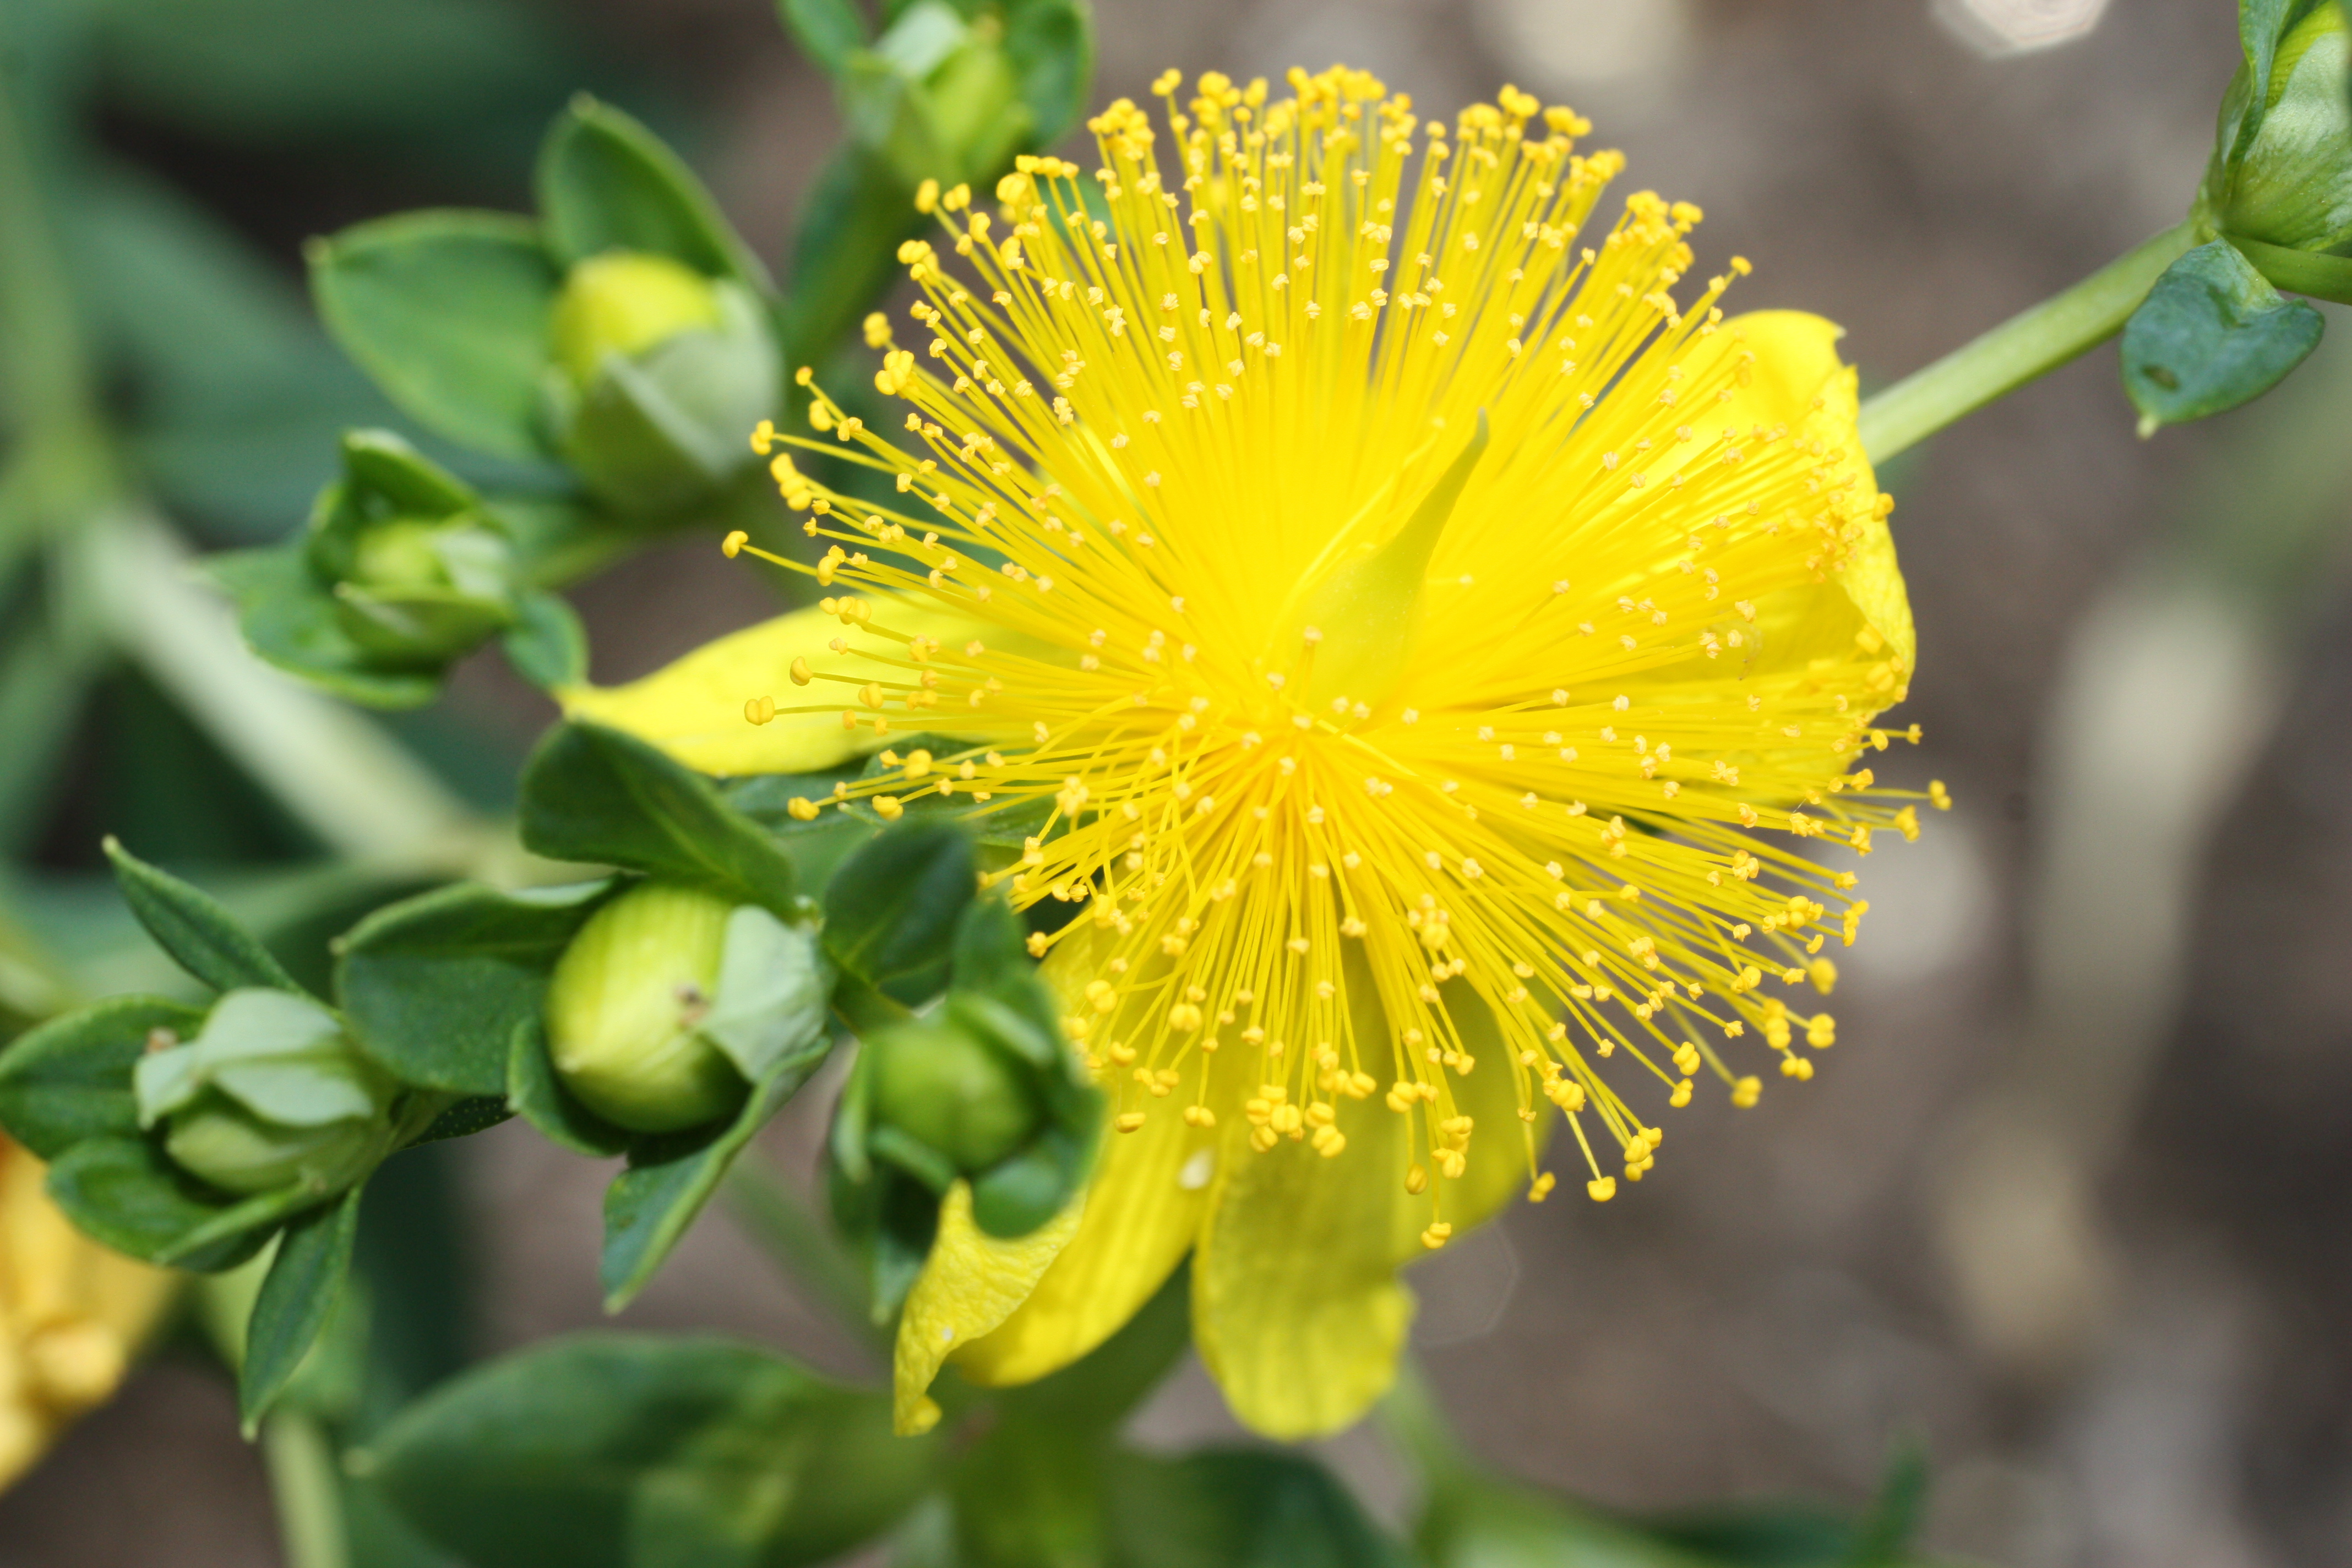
pixel 308 1490
pixel 2029 344
pixel 775 1217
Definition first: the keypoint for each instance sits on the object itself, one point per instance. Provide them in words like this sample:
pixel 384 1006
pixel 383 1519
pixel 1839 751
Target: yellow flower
pixel 70 1313
pixel 1417 647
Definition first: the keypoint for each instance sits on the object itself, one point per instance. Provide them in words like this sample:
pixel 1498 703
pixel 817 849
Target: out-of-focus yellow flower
pixel 72 1313
pixel 1427 653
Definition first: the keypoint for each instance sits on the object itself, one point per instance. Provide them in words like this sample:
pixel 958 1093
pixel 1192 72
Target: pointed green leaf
pixel 890 912
pixel 597 796
pixel 436 984
pixel 298 1296
pixel 449 312
pixel 845 255
pixel 2210 335
pixel 191 926
pixel 69 1079
pixel 670 1177
pixel 127 1194
pixel 547 644
pixel 606 183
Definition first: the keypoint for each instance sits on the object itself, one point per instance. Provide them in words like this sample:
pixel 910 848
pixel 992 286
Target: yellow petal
pixel 1296 1305
pixel 1799 381
pixel 71 1314
pixel 1296 1310
pixel 1143 1209
pixel 971 1283
pixel 693 708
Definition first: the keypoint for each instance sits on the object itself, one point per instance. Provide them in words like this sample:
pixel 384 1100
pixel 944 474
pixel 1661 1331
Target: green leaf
pixel 477 1114
pixel 1051 45
pixel 1030 1494
pixel 845 255
pixel 69 1079
pixel 1241 1508
pixel 606 183
pixel 890 912
pixel 290 620
pixel 191 926
pixel 827 31
pixel 639 1451
pixel 298 1296
pixel 2210 335
pixel 387 476
pixel 597 796
pixel 436 984
pixel 449 312
pixel 127 1194
pixel 670 1177
pixel 547 644
pixel 539 1098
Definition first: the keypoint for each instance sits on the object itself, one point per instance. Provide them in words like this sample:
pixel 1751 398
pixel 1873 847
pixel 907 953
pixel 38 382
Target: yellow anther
pixel 733 545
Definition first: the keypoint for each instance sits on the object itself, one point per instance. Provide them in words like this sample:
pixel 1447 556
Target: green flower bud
pixel 625 302
pixel 419 572
pixel 628 1006
pixel 2289 183
pixel 221 1142
pixel 936 96
pixel 660 373
pixel 427 592
pixel 270 1093
pixel 955 1094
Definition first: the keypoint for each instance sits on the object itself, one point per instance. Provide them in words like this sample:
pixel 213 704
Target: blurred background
pixel 2065 1206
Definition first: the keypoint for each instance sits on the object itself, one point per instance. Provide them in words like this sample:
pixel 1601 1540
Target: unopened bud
pixel 659 373
pixel 952 1093
pixel 625 302
pixel 2289 182
pixel 426 592
pixel 626 1006
pixel 271 1093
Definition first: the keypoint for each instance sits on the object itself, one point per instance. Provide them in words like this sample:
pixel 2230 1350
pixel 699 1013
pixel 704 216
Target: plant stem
pixel 308 1490
pixel 776 1216
pixel 2031 343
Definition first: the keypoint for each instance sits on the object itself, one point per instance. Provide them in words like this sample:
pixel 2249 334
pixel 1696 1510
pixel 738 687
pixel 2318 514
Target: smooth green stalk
pixel 802 1245
pixel 308 1490
pixel 2029 344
